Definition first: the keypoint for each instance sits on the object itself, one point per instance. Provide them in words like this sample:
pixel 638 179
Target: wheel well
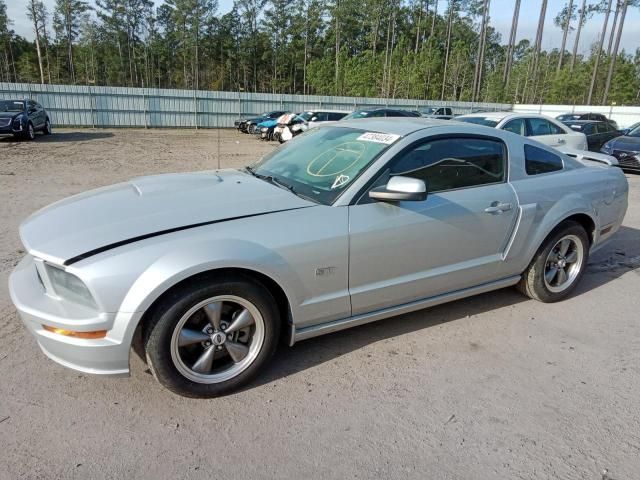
pixel 587 223
pixel 271 285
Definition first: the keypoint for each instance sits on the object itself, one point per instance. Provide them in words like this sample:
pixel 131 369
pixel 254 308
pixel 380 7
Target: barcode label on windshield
pixel 387 138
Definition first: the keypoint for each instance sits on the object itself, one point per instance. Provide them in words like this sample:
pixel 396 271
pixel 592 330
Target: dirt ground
pixel 495 386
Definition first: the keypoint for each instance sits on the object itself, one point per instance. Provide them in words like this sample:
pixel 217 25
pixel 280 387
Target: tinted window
pixel 556 130
pixel 516 126
pixel 603 128
pixel 538 127
pixel 487 122
pixel 587 129
pixel 452 163
pixel 539 161
pixel 336 116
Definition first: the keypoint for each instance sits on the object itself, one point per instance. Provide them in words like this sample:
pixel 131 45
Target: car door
pixel 605 133
pixel 32 112
pixel 410 250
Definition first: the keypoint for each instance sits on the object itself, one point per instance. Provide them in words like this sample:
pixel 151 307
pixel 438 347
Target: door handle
pixel 498 208
pixel 562 141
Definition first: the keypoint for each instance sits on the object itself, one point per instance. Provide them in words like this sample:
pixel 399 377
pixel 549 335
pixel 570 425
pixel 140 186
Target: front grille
pixel 5 122
pixel 627 159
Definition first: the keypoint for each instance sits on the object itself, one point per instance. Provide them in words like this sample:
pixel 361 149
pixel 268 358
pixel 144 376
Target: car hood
pixel 625 143
pixel 9 114
pixel 98 220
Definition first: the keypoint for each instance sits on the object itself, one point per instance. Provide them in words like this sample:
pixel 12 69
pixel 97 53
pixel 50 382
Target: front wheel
pixel 47 127
pixel 559 264
pixel 30 134
pixel 251 129
pixel 212 338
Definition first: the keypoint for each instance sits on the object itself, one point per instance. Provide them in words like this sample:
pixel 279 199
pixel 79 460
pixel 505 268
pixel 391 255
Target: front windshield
pixel 428 111
pixel 479 121
pixel 321 163
pixel 568 116
pixel 635 132
pixel 306 116
pixel 11 106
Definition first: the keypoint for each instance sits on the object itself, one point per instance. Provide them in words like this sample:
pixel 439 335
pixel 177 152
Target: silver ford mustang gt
pixel 346 224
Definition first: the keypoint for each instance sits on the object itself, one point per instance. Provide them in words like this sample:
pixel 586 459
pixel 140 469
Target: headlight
pixel 69 287
pixel 264 129
pixel 606 148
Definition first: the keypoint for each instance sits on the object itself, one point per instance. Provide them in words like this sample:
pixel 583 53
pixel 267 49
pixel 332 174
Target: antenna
pixel 218 129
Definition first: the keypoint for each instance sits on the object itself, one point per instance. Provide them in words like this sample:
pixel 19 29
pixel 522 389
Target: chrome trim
pixel 337 325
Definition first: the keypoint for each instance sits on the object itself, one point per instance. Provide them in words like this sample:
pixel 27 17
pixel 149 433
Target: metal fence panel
pixel 89 106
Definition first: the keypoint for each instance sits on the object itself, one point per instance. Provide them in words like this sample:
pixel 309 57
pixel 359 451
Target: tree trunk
pixel 448 47
pixel 612 64
pixel 538 44
pixel 433 20
pixel 594 74
pixel 33 11
pixel 565 31
pixel 477 77
pixel 577 40
pixel 512 43
pixel 613 26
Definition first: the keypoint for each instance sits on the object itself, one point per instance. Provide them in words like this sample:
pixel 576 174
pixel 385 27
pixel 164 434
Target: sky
pixel 500 12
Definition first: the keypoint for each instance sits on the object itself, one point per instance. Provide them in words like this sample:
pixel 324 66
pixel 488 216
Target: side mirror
pixel 625 131
pixel 400 189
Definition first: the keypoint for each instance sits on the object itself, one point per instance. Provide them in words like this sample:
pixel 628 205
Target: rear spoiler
pixel 589 158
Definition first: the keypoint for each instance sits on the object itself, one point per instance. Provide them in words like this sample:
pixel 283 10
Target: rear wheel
pixel 559 264
pixel 210 339
pixel 47 127
pixel 251 129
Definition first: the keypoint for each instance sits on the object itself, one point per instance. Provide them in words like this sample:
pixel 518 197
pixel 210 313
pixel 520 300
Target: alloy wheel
pixel 217 339
pixel 563 263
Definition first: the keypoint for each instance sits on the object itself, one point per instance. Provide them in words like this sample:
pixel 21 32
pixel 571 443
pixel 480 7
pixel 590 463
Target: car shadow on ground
pixel 61 137
pixel 616 258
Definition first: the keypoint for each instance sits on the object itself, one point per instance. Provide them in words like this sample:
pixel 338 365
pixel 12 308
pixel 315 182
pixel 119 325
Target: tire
pixel 47 127
pixel 191 356
pixel 30 134
pixel 251 129
pixel 544 279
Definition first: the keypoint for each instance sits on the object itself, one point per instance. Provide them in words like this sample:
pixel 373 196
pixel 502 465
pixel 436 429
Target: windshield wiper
pixel 278 183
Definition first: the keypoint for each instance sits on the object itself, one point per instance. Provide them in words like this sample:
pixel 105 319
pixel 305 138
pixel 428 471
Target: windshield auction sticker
pixel 387 138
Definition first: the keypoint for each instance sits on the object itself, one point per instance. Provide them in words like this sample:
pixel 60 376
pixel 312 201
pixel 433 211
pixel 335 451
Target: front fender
pixel 172 268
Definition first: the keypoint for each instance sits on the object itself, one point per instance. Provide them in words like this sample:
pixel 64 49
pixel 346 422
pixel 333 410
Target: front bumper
pixel 104 356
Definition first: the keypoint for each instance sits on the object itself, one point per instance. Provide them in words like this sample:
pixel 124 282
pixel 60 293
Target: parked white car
pixel 538 127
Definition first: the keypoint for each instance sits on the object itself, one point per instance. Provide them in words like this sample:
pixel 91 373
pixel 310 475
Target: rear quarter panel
pixel 546 200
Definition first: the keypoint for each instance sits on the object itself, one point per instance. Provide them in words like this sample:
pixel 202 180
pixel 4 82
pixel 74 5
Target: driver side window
pixel 452 163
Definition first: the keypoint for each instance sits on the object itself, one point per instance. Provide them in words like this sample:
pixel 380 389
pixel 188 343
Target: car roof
pixel 582 122
pixel 397 125
pixel 326 110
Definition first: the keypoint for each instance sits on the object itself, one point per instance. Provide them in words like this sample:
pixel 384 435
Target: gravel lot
pixel 495 386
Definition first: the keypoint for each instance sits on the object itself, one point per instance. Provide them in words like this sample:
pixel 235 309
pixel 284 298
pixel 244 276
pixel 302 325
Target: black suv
pixel 22 118
pixel 568 117
pixel 381 112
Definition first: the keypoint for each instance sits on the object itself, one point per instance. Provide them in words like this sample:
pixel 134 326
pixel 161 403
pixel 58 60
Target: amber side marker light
pixel 71 333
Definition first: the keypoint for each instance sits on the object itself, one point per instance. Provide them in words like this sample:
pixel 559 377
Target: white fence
pixel 623 116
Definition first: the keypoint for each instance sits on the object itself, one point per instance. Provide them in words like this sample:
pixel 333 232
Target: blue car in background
pixel 265 128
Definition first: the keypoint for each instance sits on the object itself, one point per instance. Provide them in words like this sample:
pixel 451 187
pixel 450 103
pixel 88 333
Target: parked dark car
pixel 23 118
pixel 626 149
pixel 568 117
pixel 380 112
pixel 597 133
pixel 249 125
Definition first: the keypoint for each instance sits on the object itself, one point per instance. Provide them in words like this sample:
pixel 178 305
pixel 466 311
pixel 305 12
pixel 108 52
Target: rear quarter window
pixel 538 161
